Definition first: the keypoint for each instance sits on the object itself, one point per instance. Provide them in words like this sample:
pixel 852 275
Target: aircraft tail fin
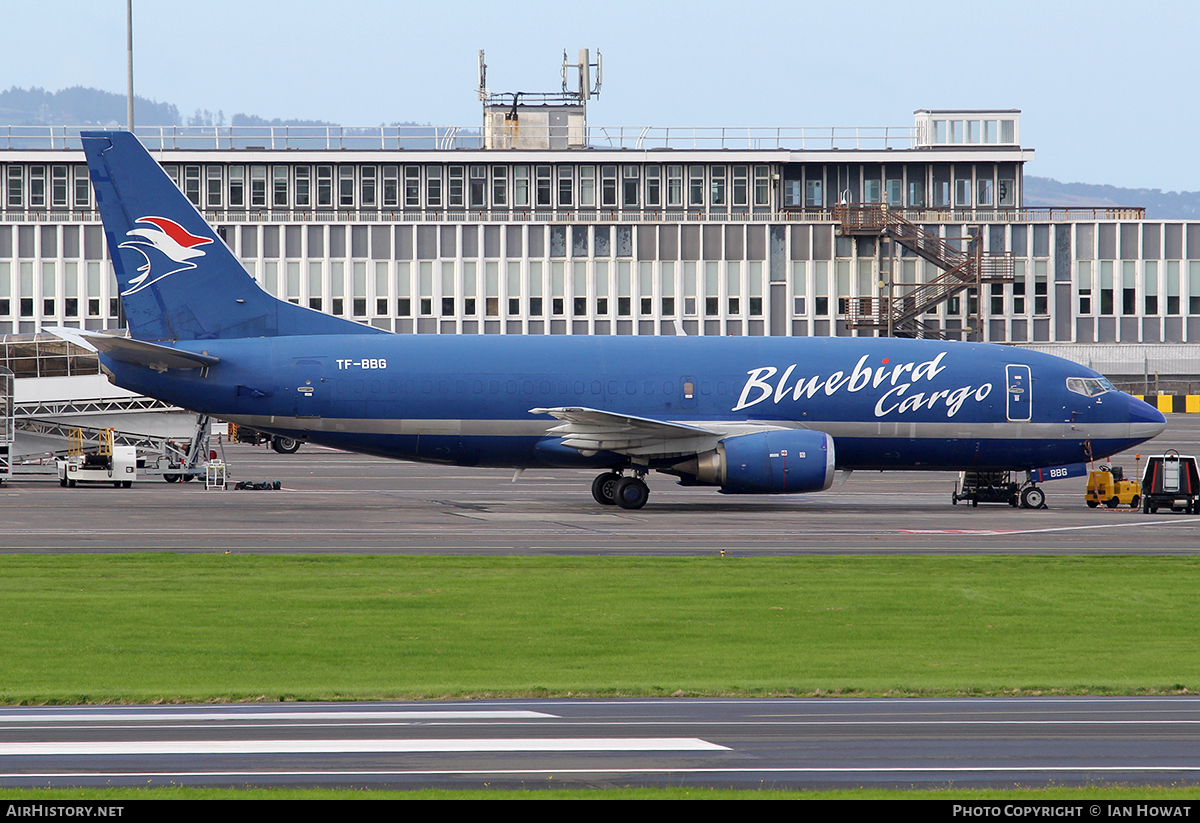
pixel 178 280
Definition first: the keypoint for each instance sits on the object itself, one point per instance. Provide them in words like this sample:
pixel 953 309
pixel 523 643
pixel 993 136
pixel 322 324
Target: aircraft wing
pixel 594 430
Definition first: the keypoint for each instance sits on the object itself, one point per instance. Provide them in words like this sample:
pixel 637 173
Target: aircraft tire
pixel 285 445
pixel 631 493
pixel 1033 498
pixel 604 488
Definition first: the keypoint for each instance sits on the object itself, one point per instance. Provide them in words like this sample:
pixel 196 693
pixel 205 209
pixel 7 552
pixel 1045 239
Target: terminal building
pixel 540 223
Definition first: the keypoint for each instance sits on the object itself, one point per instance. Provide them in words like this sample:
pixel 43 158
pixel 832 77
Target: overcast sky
pixel 1107 89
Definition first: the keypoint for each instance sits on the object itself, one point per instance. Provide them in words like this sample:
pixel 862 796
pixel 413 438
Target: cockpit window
pixel 1089 386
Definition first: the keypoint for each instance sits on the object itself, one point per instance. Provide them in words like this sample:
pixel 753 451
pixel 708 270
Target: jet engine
pixel 772 462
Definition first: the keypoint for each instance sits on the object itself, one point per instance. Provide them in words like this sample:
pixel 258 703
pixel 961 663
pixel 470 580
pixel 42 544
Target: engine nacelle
pixel 774 462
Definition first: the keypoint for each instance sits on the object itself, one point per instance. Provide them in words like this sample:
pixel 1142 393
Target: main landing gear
pixel 627 492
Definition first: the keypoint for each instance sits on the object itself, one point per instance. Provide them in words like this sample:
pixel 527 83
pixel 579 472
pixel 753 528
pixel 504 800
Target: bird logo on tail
pixel 172 241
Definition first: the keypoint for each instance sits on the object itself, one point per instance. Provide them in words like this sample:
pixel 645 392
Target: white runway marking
pixel 784 770
pixel 154 717
pixel 166 747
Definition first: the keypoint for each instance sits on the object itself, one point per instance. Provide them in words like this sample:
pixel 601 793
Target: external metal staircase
pixel 901 314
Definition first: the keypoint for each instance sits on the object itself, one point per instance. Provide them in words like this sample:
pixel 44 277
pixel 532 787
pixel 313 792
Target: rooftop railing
pixel 440 138
pixel 1027 215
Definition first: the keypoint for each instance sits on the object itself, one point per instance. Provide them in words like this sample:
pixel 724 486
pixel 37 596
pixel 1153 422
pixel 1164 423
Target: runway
pixel 337 502
pixel 333 501
pixel 587 743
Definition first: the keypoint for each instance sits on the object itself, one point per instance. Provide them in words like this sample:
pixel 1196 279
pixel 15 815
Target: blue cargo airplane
pixel 750 415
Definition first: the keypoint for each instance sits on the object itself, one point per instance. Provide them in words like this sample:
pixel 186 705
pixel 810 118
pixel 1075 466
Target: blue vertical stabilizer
pixel 178 280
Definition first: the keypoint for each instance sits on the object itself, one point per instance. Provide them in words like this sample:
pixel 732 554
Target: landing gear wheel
pixel 604 487
pixel 285 445
pixel 631 493
pixel 1032 498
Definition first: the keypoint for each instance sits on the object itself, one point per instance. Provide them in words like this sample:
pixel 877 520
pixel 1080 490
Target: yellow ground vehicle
pixel 1108 485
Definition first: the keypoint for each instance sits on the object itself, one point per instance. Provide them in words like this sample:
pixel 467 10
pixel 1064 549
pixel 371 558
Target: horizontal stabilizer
pixel 139 352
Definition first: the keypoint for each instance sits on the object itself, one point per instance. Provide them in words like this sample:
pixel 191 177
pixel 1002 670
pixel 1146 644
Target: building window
pixel 543 185
pixel 1007 193
pixel 962 191
pixel 741 185
pixel 1129 287
pixel 37 187
pixel 258 186
pixel 455 186
pixel 279 187
pixel 391 187
pixel 521 186
pixel 433 186
pixel 191 184
pixel 58 186
pixel 717 186
pixel 630 185
pixel 324 186
pixel 872 192
pixel 16 188
pixel 813 194
pixel 213 186
pixel 1150 286
pixel 984 191
pixel 653 186
pixel 608 186
pixel 674 186
pixel 696 186
pixel 895 192
pixel 366 186
pixel 587 186
pixel 1041 303
pixel 237 187
pixel 499 186
pixel 303 187
pixel 566 186
pixel 345 187
pixel 477 189
pixel 83 194
pixel 412 187
pixel 762 186
pixel 1172 287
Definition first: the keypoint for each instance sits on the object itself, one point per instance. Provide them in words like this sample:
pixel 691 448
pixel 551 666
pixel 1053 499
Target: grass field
pixel 93 628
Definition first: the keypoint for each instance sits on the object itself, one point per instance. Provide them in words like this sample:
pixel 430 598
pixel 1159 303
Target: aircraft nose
pixel 1145 420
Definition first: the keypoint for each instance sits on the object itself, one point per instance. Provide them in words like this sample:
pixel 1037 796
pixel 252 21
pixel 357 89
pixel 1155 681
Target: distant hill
pixel 253 120
pixel 1160 205
pixel 79 106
